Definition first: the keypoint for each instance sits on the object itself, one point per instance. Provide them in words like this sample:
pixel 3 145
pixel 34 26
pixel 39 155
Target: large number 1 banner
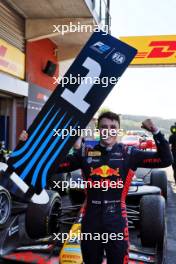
pixel 103 58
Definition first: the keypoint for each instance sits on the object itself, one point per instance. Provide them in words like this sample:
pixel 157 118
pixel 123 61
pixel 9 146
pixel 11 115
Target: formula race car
pixel 137 141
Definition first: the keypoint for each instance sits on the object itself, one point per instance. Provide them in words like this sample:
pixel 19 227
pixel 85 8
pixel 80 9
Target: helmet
pixel 173 129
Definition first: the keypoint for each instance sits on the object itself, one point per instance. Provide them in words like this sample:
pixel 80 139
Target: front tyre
pixel 42 219
pixel 152 220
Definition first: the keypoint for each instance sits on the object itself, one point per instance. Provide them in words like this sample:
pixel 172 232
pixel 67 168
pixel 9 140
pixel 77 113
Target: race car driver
pixel 105 210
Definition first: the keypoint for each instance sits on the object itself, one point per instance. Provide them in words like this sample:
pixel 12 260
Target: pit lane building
pixel 33 50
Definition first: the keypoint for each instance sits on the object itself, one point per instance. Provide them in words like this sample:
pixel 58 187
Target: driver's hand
pixel 149 125
pixel 23 136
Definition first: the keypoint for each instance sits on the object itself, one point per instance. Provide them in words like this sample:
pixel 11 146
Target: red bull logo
pixel 104 171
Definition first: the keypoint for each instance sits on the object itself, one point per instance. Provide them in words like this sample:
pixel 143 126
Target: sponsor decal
pixel 12 60
pixel 155 160
pixel 105 171
pixel 118 154
pixel 89 159
pixel 94 153
pixel 153 49
pixel 72 249
pixel 100 47
pixel 42 97
pixel 116 159
pixel 69 256
pixel 13 230
pixel 118 58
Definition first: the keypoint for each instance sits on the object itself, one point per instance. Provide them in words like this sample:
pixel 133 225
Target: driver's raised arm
pixel 148 159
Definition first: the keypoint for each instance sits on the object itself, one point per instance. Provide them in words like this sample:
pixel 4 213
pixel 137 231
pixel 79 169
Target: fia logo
pixel 118 58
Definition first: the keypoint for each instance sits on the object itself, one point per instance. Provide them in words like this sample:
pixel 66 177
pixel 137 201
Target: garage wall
pixel 38 53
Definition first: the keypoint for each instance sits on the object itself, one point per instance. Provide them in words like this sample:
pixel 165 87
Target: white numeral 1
pixel 77 98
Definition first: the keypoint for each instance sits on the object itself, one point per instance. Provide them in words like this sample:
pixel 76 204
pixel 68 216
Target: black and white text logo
pixel 118 58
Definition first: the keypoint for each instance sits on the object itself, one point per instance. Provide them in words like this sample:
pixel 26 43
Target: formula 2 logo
pixel 100 47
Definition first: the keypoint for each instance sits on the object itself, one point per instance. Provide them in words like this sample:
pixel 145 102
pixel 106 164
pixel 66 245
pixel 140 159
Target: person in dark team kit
pixel 172 141
pixel 105 211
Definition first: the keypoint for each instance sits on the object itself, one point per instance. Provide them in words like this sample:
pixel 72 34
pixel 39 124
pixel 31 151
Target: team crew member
pixel 105 211
pixel 172 141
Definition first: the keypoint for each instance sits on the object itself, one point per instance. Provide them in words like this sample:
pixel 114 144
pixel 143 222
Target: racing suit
pixel 105 210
